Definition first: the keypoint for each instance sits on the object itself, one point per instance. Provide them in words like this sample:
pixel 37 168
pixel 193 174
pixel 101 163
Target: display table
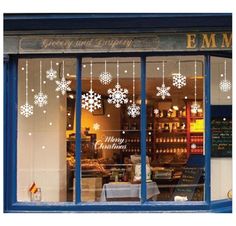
pixel 122 191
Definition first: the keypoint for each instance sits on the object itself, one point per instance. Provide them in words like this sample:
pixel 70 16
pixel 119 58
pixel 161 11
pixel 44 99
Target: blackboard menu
pixel 221 137
pixel 188 183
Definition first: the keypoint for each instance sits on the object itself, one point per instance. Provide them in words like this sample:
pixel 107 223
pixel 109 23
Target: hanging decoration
pixel 117 95
pixel 195 106
pixel 63 85
pixel 133 109
pixel 26 109
pixel 105 77
pixel 91 101
pixel 179 80
pixel 51 73
pixel 225 85
pixel 163 91
pixel 40 99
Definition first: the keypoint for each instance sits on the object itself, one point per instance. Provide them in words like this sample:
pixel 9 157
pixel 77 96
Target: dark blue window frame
pixel 10 144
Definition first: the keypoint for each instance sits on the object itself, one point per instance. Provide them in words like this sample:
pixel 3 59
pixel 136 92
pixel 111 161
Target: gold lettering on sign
pixel 226 40
pixel 208 42
pixel 191 41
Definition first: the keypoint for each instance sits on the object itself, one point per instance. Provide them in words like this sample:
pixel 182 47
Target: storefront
pixel 118 112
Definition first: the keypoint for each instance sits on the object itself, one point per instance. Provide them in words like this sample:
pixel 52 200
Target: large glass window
pixel 175 127
pixel 221 123
pixel 110 130
pixel 46 130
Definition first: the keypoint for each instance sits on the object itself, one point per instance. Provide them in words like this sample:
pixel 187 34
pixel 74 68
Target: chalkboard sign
pixel 221 137
pixel 188 182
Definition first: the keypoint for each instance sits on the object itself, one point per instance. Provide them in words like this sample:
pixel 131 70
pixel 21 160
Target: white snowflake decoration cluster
pixel 179 80
pixel 117 96
pixel 40 99
pixel 91 101
pixel 163 91
pixel 26 110
pixel 225 85
pixel 105 78
pixel 133 110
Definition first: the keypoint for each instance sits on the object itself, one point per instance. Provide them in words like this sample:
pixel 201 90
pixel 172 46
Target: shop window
pixel 110 130
pixel 221 123
pixel 175 128
pixel 46 130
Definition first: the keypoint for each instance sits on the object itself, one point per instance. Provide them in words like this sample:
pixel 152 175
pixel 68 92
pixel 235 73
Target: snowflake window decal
pixel 225 85
pixel 63 85
pixel 179 80
pixel 96 126
pixel 51 73
pixel 163 91
pixel 40 98
pixel 117 95
pixel 195 106
pixel 105 77
pixel 26 109
pixel 91 101
pixel 133 109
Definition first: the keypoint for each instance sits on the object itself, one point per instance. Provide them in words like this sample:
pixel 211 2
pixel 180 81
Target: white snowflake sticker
pixel 63 86
pixel 40 99
pixel 105 78
pixel 156 111
pixel 51 74
pixel 117 96
pixel 179 80
pixel 96 126
pixel 195 107
pixel 91 101
pixel 225 85
pixel 133 110
pixel 26 110
pixel 163 91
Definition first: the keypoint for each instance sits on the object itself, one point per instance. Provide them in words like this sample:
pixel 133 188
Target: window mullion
pixel 143 129
pixel 208 128
pixel 78 131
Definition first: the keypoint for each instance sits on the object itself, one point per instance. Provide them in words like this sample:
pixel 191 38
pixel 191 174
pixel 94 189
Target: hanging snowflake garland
pixel 40 99
pixel 133 110
pixel 26 109
pixel 225 85
pixel 91 101
pixel 63 85
pixel 163 91
pixel 105 77
pixel 117 95
pixel 51 73
pixel 195 106
pixel 179 80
